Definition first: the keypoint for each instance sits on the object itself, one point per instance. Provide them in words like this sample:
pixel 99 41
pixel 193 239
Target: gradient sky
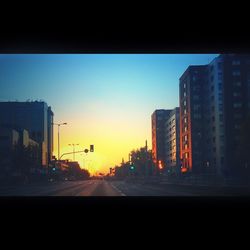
pixel 106 99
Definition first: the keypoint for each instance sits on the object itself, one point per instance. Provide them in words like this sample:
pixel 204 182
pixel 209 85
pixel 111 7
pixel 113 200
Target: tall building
pixel 35 117
pixel 158 119
pixel 235 79
pixel 192 84
pixel 214 105
pixel 172 142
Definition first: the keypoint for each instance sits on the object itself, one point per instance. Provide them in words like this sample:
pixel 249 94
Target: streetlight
pixel 58 126
pixel 73 149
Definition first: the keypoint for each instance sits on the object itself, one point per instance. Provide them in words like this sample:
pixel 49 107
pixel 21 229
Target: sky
pixel 106 99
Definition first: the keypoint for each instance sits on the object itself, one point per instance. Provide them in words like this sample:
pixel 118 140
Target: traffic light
pixel 91 148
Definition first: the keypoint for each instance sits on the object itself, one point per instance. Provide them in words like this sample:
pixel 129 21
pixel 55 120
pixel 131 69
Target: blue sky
pixel 101 87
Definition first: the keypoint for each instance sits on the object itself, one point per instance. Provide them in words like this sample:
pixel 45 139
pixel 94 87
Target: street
pixel 117 188
pixel 66 188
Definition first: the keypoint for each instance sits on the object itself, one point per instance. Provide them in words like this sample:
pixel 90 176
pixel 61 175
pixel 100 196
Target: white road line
pixel 118 190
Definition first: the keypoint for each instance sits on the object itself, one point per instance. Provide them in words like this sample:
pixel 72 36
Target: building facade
pixel 172 143
pixel 191 88
pixel 35 117
pixel 214 105
pixel 158 119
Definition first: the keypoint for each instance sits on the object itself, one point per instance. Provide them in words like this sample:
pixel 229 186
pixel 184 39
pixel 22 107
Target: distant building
pixel 35 117
pixel 172 143
pixel 158 119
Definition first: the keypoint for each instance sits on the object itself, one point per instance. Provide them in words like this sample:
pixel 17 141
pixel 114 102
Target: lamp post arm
pixel 76 152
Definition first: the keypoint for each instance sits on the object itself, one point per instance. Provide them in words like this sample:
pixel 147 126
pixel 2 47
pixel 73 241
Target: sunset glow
pixel 106 100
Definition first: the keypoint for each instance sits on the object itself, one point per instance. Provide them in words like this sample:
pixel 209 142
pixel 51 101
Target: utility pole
pixel 58 136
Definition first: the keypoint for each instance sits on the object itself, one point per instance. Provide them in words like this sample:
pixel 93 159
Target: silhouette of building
pixel 35 117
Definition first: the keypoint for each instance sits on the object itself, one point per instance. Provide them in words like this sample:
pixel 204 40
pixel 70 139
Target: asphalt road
pixel 67 188
pixel 117 188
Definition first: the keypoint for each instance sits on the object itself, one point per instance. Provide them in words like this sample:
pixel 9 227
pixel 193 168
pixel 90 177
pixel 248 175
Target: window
pixel 185 138
pixel 186 146
pixel 220 77
pixel 220 86
pixel 237 116
pixel 222 160
pixel 197 106
pixel 185 103
pixel 184 85
pixel 220 107
pixel 185 128
pixel 184 94
pixel 236 94
pixel 236 62
pixel 185 120
pixel 236 72
pixel 197 116
pixel 237 105
pixel 237 126
pixel 238 83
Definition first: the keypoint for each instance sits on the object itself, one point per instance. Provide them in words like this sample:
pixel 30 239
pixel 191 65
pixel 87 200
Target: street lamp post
pixel 58 138
pixel 73 149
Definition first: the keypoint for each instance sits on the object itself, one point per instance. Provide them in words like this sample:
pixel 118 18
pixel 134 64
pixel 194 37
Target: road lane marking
pixel 118 190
